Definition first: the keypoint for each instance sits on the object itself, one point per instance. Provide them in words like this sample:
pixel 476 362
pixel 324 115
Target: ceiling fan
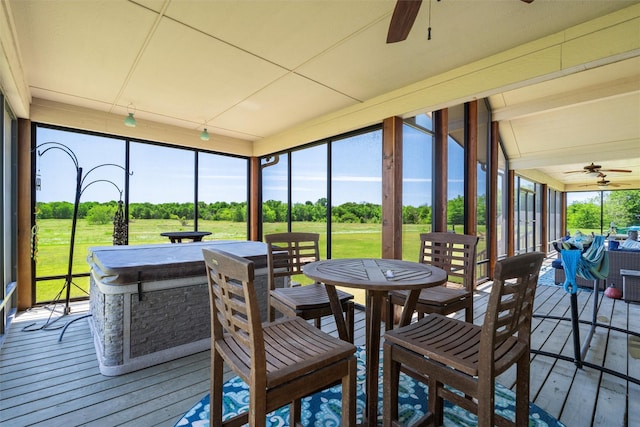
pixel 404 15
pixel 594 169
pixel 603 182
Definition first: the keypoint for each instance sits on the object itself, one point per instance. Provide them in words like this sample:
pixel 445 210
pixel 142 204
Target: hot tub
pixel 150 303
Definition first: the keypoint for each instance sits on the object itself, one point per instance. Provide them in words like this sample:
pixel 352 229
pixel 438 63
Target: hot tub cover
pixel 123 265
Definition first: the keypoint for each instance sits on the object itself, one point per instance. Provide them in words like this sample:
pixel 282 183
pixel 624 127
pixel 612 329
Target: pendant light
pixel 130 120
pixel 204 135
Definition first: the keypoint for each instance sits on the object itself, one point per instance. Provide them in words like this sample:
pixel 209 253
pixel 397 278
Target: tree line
pixel 101 213
pixel 622 208
pixel 272 211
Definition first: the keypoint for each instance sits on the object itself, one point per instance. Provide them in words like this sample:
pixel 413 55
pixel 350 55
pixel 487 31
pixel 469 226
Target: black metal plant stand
pixel 80 188
pixel 580 351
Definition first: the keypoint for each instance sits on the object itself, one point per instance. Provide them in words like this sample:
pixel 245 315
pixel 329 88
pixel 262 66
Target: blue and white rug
pixel 547 278
pixel 323 408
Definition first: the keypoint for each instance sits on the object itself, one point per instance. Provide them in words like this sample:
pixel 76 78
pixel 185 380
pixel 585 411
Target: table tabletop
pixel 375 274
pixel 177 236
pixel 377 277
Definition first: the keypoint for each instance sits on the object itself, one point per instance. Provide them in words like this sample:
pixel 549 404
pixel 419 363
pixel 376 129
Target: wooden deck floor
pixel 47 382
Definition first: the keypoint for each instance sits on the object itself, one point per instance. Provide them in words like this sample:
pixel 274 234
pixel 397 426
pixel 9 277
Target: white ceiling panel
pixel 92 60
pixel 286 32
pixel 287 102
pixel 198 86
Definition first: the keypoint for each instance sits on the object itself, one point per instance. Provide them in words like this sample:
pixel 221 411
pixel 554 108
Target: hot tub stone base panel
pixel 169 319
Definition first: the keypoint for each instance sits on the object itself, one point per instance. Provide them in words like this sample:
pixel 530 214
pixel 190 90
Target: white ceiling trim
pixel 12 76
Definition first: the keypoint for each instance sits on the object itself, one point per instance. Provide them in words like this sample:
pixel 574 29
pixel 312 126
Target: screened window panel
pixel 275 194
pixel 417 188
pixel 356 197
pixel 309 192
pixel 61 156
pixel 222 196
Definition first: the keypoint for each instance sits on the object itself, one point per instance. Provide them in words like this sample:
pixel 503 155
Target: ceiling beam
pixel 609 89
pixel 559 156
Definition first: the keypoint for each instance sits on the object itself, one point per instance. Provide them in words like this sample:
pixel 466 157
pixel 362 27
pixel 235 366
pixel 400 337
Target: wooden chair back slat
pixel 454 253
pixel 510 306
pixel 234 296
pixel 289 252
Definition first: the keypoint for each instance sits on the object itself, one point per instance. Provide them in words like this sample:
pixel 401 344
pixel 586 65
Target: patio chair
pixel 460 361
pixel 455 254
pixel 286 255
pixel 281 361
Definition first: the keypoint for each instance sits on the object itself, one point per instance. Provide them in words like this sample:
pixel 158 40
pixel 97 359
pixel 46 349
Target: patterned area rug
pixel 547 278
pixel 323 408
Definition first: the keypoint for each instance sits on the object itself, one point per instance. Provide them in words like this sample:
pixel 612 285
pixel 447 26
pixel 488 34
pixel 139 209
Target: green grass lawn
pixel 348 241
pixel 54 236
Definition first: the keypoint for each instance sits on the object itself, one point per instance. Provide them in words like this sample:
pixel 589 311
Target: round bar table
pixel 177 236
pixel 377 277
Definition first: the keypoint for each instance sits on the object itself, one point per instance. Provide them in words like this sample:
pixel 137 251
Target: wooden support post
pixel 544 218
pixel 492 226
pixel 563 213
pixel 511 228
pixel 440 156
pixel 26 297
pixel 471 168
pixel 255 198
pixel 392 188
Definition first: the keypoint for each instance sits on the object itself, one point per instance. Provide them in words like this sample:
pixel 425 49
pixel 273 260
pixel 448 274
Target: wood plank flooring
pixel 47 382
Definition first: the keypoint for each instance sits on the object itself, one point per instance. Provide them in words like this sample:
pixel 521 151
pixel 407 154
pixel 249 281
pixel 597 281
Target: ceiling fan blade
pixel 404 15
pixel 616 170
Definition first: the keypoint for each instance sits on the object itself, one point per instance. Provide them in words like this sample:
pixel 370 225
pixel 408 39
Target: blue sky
pixel 57 170
pixel 162 174
pixel 159 175
pixel 583 196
